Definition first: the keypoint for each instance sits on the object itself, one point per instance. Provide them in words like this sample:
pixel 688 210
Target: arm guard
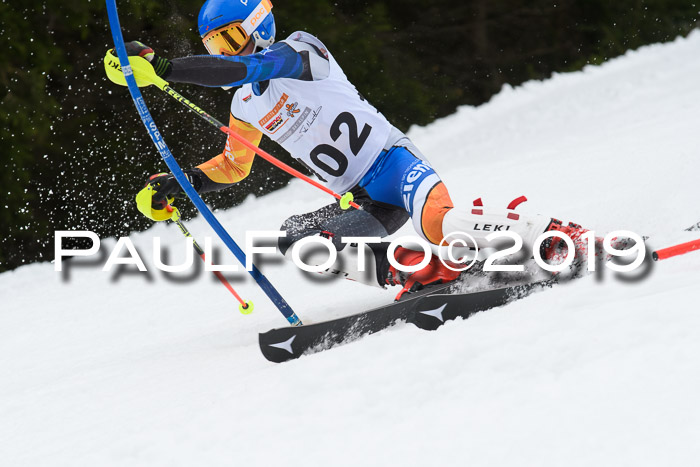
pixel 232 165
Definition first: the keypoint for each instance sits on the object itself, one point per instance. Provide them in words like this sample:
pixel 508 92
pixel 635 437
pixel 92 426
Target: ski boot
pixel 554 250
pixel 434 273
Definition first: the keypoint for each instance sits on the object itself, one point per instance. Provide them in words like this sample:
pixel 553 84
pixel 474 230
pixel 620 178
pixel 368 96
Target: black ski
pixel 432 311
pixel 282 344
pixel 428 309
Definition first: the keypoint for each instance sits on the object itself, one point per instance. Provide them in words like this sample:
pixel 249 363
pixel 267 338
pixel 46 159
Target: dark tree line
pixel 73 151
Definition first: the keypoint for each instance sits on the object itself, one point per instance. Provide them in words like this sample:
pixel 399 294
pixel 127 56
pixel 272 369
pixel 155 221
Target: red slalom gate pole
pixel 676 250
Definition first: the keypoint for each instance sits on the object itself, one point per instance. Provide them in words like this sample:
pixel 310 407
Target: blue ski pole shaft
pixel 168 158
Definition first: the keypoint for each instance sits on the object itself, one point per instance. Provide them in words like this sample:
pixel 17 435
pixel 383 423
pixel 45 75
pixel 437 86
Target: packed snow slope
pixel 138 370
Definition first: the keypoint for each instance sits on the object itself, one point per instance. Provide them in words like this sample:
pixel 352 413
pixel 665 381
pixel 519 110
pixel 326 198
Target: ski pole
pixel 127 77
pixel 145 76
pixel 346 200
pixel 676 250
pixel 245 307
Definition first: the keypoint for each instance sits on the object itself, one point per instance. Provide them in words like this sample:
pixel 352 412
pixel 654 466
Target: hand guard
pixel 142 69
pixel 160 191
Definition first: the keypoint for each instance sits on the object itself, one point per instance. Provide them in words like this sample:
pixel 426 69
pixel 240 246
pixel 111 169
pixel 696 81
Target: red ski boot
pixel 554 250
pixel 434 273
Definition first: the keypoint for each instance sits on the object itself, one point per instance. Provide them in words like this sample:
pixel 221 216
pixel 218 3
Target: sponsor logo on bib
pixel 275 124
pixel 292 109
pixel 275 110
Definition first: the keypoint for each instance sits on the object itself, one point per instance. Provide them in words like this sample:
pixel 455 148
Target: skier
pixel 294 92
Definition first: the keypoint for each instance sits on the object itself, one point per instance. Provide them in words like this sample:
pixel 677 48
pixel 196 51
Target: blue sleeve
pixel 278 61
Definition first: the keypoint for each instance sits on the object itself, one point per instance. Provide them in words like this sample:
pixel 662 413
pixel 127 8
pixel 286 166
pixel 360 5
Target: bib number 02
pixel 324 153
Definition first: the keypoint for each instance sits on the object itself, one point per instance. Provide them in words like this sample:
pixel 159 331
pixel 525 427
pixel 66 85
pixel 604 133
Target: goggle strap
pixel 257 16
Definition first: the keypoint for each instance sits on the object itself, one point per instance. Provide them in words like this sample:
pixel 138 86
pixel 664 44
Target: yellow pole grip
pixel 141 68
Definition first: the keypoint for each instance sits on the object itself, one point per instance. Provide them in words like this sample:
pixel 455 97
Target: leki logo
pixel 292 109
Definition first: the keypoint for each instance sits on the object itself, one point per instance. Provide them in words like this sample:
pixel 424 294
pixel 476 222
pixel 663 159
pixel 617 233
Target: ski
pixel 435 309
pixel 282 344
pixel 428 309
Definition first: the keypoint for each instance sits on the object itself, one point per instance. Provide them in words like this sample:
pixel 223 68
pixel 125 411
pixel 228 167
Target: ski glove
pixel 162 66
pixel 154 200
pixel 166 186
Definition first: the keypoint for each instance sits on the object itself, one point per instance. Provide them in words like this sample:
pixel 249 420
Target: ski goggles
pixel 231 38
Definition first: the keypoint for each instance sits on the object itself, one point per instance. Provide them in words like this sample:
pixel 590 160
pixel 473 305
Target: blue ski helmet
pixel 227 26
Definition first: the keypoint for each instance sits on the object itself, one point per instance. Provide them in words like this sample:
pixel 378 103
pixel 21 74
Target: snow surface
pixel 98 370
